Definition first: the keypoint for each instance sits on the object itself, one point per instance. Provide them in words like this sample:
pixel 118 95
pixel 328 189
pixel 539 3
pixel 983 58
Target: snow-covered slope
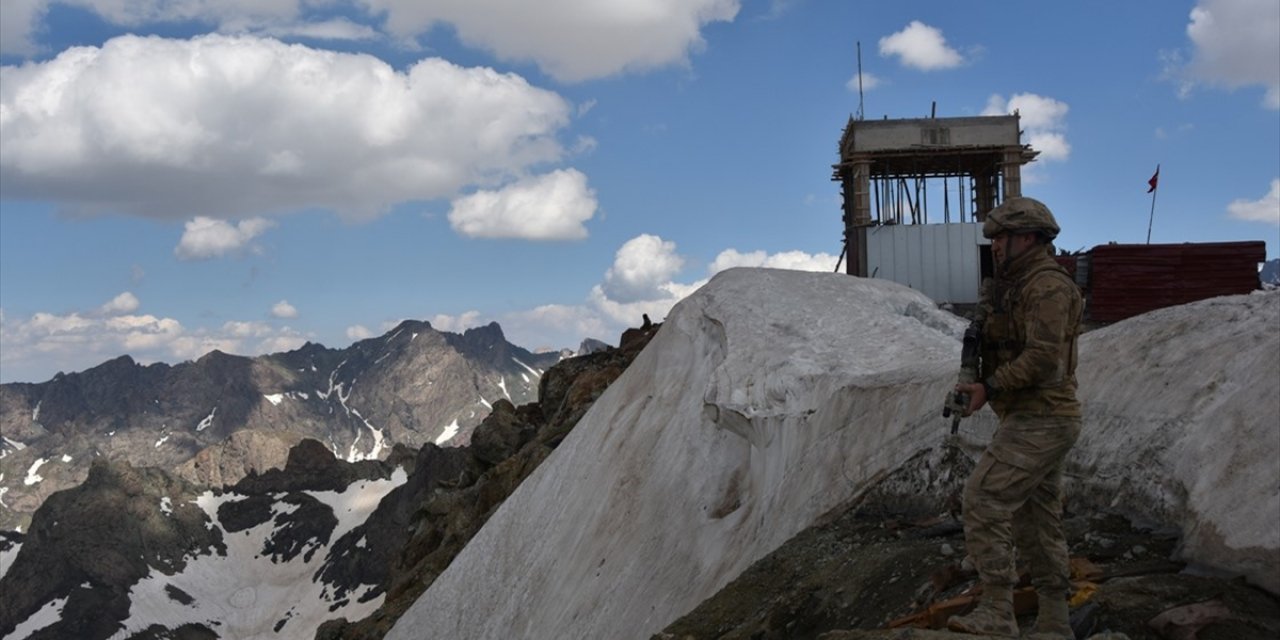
pixel 249 593
pixel 769 397
pixel 1182 428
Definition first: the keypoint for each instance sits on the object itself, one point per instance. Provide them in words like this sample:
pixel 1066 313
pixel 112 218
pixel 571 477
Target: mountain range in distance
pixel 216 419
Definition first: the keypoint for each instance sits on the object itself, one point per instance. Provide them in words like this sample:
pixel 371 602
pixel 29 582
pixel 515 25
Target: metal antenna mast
pixel 860 112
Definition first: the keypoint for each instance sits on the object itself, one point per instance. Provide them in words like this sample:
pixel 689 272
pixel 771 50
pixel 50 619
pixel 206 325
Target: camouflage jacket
pixel 1033 314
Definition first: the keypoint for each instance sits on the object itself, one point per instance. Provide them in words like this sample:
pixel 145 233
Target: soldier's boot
pixel 1052 621
pixel 993 616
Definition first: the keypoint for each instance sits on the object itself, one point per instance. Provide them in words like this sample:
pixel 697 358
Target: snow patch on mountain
pixel 32 476
pixel 8 445
pixel 353 504
pixel 536 372
pixel 246 593
pixel 449 432
pixel 207 421
pixel 7 555
pixel 50 614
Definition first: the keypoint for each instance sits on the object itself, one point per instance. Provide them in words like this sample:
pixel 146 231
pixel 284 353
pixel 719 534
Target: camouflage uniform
pixel 1033 321
pixel 1033 312
pixel 1029 355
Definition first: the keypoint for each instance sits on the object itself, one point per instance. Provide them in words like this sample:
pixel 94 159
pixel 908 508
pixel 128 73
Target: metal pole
pixel 861 113
pixel 1154 190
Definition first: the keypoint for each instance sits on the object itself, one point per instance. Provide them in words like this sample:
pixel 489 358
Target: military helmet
pixel 1020 215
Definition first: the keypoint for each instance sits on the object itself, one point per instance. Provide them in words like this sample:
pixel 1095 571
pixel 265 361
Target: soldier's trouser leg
pixel 1037 529
pixel 1022 465
pixel 1038 533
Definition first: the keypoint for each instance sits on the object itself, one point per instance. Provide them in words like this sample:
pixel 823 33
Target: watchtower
pixel 894 229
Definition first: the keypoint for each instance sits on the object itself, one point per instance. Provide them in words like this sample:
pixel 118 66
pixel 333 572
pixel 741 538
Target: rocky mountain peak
pixel 223 416
pixel 104 472
pixel 114 365
pixel 592 345
pixel 484 336
pixel 310 456
pixel 410 326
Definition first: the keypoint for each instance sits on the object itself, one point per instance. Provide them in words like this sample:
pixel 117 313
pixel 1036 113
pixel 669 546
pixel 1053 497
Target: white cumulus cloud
pixel 358 332
pixel 1237 44
pixel 239 329
pixel 228 126
pixel 36 347
pixel 283 309
pixel 556 326
pixel 204 238
pixel 641 267
pixel 456 324
pixel 794 260
pixel 553 206
pixel 1266 209
pixel 921 46
pixel 1043 119
pixel 630 313
pixel 869 82
pixel 18 20
pixel 641 281
pixel 232 15
pixel 121 304
pixel 572 40
pixel 280 343
pixel 335 29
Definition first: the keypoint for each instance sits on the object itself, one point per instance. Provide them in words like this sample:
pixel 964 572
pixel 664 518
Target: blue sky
pixel 182 176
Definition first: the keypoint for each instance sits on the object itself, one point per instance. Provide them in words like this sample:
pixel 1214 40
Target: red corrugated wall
pixel 1129 279
pixel 1068 262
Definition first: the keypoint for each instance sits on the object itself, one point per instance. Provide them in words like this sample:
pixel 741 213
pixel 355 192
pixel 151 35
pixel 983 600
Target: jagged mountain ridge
pixel 213 420
pixel 280 553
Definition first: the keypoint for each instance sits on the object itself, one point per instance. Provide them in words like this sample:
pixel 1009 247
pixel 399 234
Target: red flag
pixel 1155 179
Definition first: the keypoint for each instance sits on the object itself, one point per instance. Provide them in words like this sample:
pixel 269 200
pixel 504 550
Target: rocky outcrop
pixel 242 453
pixel 421 526
pixel 889 566
pixel 90 544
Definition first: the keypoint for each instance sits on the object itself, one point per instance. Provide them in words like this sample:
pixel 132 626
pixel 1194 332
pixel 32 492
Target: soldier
pixel 1028 377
